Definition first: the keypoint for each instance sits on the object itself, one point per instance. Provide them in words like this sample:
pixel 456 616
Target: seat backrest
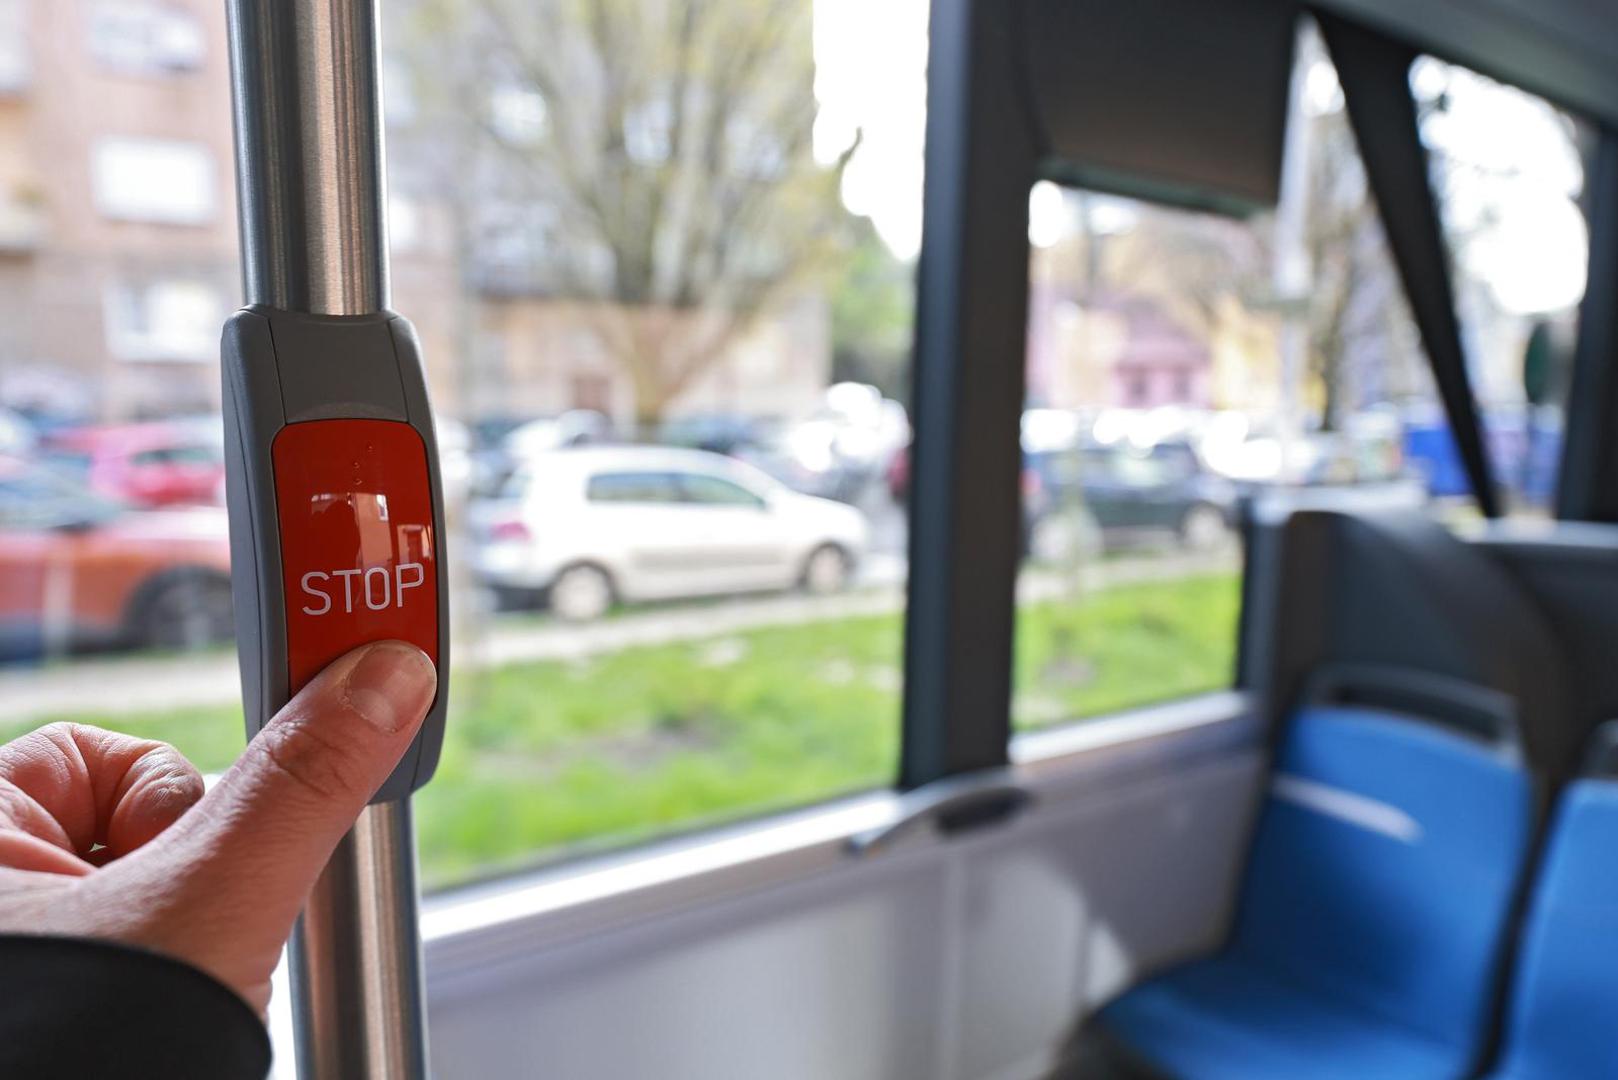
pixel 1563 1019
pixel 1392 588
pixel 1385 864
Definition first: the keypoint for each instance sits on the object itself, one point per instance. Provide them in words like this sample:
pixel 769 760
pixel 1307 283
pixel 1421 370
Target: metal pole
pixel 356 958
pixel 310 177
pixel 309 154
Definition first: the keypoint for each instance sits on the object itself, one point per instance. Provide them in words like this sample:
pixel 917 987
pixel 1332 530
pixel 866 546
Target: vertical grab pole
pixel 310 179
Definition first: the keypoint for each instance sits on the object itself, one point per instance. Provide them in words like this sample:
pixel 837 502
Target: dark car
pixel 1127 495
pixel 731 434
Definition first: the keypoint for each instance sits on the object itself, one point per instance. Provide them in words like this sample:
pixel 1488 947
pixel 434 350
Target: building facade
pixel 118 244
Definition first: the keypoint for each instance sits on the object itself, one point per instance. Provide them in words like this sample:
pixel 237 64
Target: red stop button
pixel 358 555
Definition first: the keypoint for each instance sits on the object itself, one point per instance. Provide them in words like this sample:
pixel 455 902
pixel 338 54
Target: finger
pixel 22 851
pixel 90 786
pixel 262 835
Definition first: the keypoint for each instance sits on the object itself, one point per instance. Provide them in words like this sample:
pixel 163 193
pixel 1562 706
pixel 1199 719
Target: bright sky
pixel 871 76
pixel 1516 187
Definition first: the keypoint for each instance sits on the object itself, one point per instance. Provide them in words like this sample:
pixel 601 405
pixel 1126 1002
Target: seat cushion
pixel 1563 1019
pixel 1226 1019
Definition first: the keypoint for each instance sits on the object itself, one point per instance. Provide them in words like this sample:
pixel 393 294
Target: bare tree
pixel 1340 215
pixel 650 159
pixel 1360 326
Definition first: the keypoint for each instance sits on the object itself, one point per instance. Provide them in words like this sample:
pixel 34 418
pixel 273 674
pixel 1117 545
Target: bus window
pixel 1271 355
pixel 624 259
pixel 1154 397
pixel 1180 366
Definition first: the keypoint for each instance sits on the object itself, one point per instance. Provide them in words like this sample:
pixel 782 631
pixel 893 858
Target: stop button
pixel 358 555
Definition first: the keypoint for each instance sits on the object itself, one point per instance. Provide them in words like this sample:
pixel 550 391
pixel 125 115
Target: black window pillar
pixel 1375 75
pixel 966 460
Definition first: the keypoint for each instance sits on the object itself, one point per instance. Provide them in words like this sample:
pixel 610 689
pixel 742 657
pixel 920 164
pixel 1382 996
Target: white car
pixel 595 525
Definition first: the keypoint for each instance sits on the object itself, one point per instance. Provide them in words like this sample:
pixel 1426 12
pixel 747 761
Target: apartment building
pixel 118 243
pixel 117 209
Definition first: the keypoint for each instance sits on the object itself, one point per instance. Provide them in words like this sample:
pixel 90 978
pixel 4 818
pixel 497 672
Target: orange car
pixel 78 570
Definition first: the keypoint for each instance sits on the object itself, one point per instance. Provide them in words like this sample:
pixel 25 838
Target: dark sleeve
pixel 76 1008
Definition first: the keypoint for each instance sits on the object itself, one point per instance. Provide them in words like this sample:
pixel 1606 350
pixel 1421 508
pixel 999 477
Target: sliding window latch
pixel 953 805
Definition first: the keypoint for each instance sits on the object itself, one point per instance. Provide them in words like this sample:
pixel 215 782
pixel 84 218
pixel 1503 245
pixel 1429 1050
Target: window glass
pixel 164 320
pixel 1507 168
pixel 688 227
pixel 1146 369
pixel 714 491
pixel 634 488
pixel 1181 365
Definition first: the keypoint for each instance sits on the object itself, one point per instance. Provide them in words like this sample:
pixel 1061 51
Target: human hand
pixel 107 836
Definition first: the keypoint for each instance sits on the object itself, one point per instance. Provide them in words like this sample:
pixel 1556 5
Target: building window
pixel 144 38
pixel 174 320
pixel 161 181
pixel 16 61
pixel 404 224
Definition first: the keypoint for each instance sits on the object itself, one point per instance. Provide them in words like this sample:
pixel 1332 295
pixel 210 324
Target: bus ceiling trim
pixel 1157 190
pixel 1373 71
pixel 1180 100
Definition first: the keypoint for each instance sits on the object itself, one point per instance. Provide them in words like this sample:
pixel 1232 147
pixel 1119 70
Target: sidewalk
pixel 134 684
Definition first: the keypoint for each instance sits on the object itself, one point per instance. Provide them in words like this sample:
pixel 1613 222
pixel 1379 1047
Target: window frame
pixel 984 152
pixel 983 156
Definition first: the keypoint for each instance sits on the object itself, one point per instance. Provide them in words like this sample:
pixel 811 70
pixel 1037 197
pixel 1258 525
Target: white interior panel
pixel 964 959
pixel 1081 902
pixel 830 984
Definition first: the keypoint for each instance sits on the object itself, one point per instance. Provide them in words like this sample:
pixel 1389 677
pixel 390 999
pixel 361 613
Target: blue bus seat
pixel 1563 1018
pixel 1372 918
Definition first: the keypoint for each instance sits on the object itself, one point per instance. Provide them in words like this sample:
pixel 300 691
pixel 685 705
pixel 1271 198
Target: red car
pixel 167 463
pixel 81 571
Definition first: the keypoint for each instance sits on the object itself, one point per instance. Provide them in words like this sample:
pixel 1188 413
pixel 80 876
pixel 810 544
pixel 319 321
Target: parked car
pixel 588 527
pixel 1127 494
pixel 500 444
pixel 163 463
pixel 731 434
pixel 78 570
pixel 839 450
pixel 576 427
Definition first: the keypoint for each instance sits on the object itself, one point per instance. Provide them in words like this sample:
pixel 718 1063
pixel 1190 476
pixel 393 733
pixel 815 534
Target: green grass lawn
pixel 549 755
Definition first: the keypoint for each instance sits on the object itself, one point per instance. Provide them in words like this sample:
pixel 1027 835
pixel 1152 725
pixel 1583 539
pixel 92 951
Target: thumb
pixel 252 848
